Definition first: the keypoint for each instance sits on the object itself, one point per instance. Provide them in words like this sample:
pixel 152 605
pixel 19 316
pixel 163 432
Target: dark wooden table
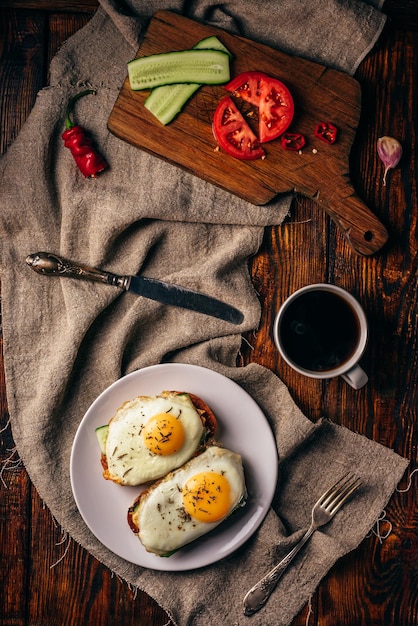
pixel 376 585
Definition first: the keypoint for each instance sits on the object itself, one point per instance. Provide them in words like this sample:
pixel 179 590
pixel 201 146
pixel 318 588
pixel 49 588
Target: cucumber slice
pixel 167 101
pixel 209 67
pixel 212 43
pixel 101 434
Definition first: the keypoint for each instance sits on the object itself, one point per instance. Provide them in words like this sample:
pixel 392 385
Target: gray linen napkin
pixel 66 341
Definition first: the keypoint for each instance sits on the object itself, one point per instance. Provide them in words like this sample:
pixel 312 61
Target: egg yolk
pixel 163 434
pixel 206 496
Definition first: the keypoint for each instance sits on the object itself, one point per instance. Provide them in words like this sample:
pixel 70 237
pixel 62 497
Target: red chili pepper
pixel 292 141
pixel 326 131
pixel 89 161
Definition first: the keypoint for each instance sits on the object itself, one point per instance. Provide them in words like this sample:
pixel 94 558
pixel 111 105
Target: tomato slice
pixel 247 86
pixel 232 132
pixel 206 414
pixel 273 99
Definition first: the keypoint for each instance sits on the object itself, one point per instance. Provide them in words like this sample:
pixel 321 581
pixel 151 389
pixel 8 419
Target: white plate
pixel 242 427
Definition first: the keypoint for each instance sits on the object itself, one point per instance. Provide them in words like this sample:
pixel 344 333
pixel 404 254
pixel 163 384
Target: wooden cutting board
pixel 321 172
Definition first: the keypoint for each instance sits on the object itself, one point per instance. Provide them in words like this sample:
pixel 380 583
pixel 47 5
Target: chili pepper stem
pixel 70 106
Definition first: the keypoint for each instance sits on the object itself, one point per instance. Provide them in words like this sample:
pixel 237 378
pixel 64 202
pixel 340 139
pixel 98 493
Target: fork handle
pixel 258 595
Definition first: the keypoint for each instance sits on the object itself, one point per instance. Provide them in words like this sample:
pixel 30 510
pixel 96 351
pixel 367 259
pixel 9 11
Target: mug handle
pixel 356 377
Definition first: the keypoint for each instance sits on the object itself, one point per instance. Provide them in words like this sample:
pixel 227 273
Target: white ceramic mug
pixel 321 331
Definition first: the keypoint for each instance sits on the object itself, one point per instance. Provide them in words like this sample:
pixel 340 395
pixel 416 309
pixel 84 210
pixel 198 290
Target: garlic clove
pixel 390 152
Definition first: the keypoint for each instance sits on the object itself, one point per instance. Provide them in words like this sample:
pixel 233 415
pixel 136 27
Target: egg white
pixel 129 461
pixel 164 524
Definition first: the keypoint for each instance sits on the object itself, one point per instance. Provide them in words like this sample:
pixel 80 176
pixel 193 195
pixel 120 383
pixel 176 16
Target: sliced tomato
pixel 272 98
pixel 206 414
pixel 232 132
pixel 247 86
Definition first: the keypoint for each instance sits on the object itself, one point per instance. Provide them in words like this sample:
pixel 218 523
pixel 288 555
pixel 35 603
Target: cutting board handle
pixel 364 232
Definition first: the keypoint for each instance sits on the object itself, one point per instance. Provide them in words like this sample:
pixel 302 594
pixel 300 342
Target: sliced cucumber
pixel 212 43
pixel 167 101
pixel 209 67
pixel 101 434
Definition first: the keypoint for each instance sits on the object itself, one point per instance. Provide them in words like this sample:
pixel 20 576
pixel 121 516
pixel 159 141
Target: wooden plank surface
pixel 66 6
pixel 318 171
pixel 376 584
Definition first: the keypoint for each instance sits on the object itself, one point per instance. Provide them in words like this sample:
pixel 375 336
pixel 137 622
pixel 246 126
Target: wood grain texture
pixel 66 6
pixel 48 581
pixel 318 171
pixel 373 586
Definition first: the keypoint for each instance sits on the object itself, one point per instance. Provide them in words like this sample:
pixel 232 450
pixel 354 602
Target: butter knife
pixel 50 264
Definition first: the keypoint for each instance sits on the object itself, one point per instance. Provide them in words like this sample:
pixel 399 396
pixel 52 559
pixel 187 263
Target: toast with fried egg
pixel 189 501
pixel 150 436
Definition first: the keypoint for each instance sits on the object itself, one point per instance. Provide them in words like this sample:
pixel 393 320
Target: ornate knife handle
pixel 52 265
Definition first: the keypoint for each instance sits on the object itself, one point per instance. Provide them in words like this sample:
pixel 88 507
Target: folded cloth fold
pixel 66 341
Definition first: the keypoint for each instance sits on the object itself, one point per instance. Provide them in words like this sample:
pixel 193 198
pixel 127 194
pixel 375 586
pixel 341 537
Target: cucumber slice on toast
pixel 101 434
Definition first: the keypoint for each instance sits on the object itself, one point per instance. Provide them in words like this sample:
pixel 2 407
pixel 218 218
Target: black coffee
pixel 319 330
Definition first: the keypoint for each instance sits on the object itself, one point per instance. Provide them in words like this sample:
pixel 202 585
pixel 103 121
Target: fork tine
pixel 337 488
pixel 334 489
pixel 344 491
pixel 350 490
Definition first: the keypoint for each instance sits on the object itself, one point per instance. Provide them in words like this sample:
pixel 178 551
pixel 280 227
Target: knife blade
pixel 50 264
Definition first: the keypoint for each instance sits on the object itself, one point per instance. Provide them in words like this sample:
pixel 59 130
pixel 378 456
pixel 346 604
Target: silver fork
pixel 323 511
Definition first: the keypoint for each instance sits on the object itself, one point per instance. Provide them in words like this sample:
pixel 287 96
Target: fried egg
pixel 190 501
pixel 150 436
